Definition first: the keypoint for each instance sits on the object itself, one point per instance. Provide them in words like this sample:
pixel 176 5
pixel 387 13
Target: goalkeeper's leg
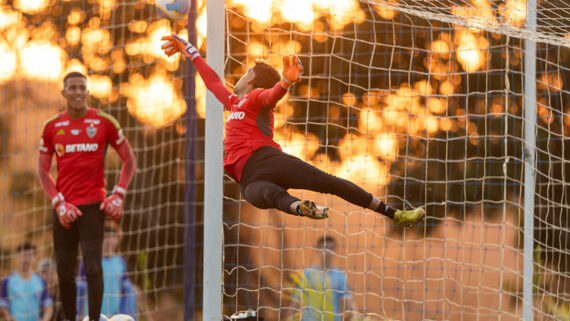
pixel 266 194
pixel 91 230
pixel 290 172
pixel 65 243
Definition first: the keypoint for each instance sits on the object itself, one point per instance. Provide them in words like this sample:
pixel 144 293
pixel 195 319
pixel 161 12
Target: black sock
pixel 385 210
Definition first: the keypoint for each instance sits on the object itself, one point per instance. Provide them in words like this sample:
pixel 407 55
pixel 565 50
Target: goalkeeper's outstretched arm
pixel 213 82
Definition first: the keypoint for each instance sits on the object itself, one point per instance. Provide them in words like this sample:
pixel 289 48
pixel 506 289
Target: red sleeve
pixel 46 144
pixel 46 181
pixel 113 129
pixel 270 97
pixel 213 82
pixel 129 164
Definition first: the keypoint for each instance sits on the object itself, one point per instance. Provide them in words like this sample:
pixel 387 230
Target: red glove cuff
pixel 57 199
pixel 120 191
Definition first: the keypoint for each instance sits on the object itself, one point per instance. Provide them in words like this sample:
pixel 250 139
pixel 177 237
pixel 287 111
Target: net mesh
pixel 117 45
pixel 420 103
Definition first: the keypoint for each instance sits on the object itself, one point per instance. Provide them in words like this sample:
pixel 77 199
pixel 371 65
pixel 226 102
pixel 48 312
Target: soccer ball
pixel 121 317
pixel 101 318
pixel 173 9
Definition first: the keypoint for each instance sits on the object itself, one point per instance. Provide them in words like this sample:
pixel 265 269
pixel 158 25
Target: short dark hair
pixel 25 246
pixel 73 74
pixel 326 240
pixel 265 75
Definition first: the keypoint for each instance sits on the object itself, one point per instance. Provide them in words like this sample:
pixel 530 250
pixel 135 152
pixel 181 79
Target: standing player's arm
pixel 126 153
pixel 67 212
pixel 211 79
pixel 46 181
pixel 113 205
pixel 292 71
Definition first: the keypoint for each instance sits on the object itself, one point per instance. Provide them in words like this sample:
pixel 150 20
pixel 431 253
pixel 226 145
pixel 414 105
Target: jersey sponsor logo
pixel 61 149
pixel 92 121
pixel 62 123
pixel 76 131
pixel 91 131
pixel 60 132
pixel 237 115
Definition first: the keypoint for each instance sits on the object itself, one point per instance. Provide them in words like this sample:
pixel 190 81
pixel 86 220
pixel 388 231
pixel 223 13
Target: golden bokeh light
pixel 370 121
pixel 471 50
pixel 31 6
pixel 441 48
pixel 75 65
pixel 155 100
pixel 73 36
pixel 551 82
pixel 437 105
pixel 349 99
pixel 8 62
pixel 96 41
pixel 446 88
pixel 100 86
pixel 155 32
pixel 260 11
pixel 76 16
pixel 200 97
pixel 363 169
pixel 202 28
pixel 138 26
pixel 257 50
pixel 386 12
pixel 352 144
pixel 8 18
pixel 302 145
pixel 513 12
pixel 386 146
pixel 42 60
pixel 298 11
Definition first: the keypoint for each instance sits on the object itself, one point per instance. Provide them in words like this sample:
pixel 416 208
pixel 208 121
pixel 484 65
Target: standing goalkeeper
pixel 256 161
pixel 79 137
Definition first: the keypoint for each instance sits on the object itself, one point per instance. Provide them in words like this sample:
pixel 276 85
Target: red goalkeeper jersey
pixel 80 146
pixel 250 124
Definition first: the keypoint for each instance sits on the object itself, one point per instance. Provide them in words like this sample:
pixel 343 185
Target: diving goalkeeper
pixel 256 161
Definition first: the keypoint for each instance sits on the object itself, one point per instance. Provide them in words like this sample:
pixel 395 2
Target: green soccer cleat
pixel 312 210
pixel 409 217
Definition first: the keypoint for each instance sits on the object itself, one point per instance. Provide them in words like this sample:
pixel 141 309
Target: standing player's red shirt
pixel 80 146
pixel 250 124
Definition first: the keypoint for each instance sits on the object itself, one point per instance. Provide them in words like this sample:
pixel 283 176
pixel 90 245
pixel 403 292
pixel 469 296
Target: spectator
pixel 24 295
pixel 48 271
pixel 325 294
pixel 119 293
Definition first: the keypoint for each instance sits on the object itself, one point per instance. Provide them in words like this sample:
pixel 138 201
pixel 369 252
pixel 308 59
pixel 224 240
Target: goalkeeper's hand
pixel 292 71
pixel 113 205
pixel 176 44
pixel 67 213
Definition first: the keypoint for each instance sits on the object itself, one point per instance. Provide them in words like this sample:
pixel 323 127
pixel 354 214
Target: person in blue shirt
pixel 324 295
pixel 24 294
pixel 119 295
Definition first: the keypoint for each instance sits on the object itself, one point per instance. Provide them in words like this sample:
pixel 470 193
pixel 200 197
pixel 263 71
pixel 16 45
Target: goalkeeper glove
pixel 67 213
pixel 176 44
pixel 292 71
pixel 113 205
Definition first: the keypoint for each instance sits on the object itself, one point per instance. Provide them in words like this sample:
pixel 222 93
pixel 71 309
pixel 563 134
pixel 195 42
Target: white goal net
pixel 422 104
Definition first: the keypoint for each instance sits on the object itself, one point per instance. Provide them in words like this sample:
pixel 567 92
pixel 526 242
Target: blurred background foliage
pixel 418 111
